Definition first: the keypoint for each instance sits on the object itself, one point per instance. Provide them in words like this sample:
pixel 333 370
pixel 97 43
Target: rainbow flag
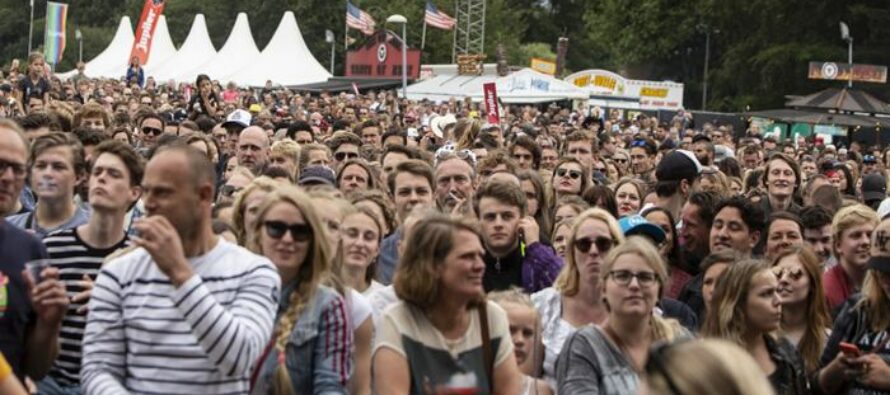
pixel 54 36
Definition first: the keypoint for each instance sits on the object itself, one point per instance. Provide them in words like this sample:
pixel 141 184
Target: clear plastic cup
pixel 36 267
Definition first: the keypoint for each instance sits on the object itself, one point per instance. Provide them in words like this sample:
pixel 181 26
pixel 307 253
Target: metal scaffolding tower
pixel 469 31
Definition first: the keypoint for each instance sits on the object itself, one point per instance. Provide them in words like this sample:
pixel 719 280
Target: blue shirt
pixel 28 221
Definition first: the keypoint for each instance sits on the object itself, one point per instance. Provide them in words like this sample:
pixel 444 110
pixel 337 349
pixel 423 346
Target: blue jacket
pixel 318 354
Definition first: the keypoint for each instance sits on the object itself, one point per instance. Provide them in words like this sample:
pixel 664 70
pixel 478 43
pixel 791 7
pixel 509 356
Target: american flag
pixel 359 20
pixel 436 18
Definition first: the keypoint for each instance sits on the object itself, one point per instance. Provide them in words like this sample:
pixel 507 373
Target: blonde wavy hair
pixel 262 183
pixel 313 271
pixel 874 303
pixel 709 366
pixel 727 319
pixel 568 281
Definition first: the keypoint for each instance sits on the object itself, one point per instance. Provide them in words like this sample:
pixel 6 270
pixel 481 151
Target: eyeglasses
pixel 574 174
pixel 603 244
pixel 793 274
pixel 277 229
pixel 18 170
pixel 229 190
pixel 341 156
pixel 152 131
pixel 624 277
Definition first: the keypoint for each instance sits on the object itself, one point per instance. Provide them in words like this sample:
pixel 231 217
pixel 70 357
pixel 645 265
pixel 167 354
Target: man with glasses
pixel 345 146
pixel 253 149
pixel 216 301
pixel 514 253
pixel 151 126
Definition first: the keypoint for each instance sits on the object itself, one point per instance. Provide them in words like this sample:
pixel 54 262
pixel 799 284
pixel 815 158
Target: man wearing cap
pixel 237 121
pixel 316 175
pixel 869 164
pixel 675 174
pixel 874 190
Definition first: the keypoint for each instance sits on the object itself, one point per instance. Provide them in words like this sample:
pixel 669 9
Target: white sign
pixel 652 95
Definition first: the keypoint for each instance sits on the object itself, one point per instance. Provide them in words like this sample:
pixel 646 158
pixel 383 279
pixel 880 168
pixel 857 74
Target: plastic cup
pixel 36 267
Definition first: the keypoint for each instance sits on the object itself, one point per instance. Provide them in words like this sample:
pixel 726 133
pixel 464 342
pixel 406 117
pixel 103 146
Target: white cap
pixel 239 117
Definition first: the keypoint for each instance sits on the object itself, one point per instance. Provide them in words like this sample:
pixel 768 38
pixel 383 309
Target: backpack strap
pixel 487 355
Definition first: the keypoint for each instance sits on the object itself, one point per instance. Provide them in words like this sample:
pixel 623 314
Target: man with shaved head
pixel 253 149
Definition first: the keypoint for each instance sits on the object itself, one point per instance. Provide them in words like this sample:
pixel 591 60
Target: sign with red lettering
pixel 491 103
pixel 145 30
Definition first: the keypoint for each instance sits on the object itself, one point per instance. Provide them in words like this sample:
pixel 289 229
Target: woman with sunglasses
pixel 443 337
pixel 608 358
pixel 746 309
pixel 569 178
pixel 303 357
pixel 805 317
pixel 576 297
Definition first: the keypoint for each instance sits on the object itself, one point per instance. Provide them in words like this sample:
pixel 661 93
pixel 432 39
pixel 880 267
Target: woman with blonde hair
pixel 443 337
pixel 608 358
pixel 746 310
pixel 629 194
pixel 805 317
pixel 560 237
pixel 303 357
pixel 707 366
pixel 247 204
pixel 525 330
pixel 714 181
pixel 576 298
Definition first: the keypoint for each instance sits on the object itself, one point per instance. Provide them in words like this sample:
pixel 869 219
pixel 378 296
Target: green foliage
pixel 522 56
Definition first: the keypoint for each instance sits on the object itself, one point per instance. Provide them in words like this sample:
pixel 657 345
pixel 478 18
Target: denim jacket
pixel 318 354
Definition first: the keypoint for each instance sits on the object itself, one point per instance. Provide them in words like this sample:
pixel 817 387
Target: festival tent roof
pixel 523 86
pixel 195 50
pixel 852 100
pixel 162 47
pixel 113 56
pixel 238 52
pixel 286 60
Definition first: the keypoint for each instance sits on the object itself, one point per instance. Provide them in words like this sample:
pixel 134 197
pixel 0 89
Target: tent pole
pixel 423 36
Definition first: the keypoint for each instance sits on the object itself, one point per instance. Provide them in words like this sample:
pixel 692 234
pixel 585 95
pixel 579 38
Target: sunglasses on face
pixel 341 156
pixel 277 229
pixel 603 244
pixel 152 131
pixel 620 160
pixel 229 190
pixel 574 174
pixel 793 274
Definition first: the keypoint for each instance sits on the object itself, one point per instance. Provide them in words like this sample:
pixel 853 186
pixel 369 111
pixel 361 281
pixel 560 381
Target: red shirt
pixel 837 286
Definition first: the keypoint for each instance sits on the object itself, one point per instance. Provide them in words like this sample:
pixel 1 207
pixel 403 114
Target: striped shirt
pixel 74 259
pixel 144 336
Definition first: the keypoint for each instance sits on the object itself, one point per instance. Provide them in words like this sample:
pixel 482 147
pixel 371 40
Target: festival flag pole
pixel 423 36
pixel 31 29
pixel 346 30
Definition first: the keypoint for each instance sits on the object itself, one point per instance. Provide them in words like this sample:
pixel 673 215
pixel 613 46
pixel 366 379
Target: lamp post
pixel 31 29
pixel 329 38
pixel 79 37
pixel 404 21
pixel 845 35
pixel 704 91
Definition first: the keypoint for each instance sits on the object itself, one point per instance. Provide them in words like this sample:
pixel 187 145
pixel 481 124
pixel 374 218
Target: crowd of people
pixel 194 238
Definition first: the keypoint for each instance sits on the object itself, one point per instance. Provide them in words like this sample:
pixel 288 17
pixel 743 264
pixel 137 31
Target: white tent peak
pixel 286 60
pixel 113 55
pixel 238 52
pixel 162 47
pixel 195 50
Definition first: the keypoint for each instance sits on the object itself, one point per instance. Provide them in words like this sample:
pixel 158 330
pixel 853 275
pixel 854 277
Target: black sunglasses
pixel 574 174
pixel 277 229
pixel 229 190
pixel 603 244
pixel 638 143
pixel 152 131
pixel 341 156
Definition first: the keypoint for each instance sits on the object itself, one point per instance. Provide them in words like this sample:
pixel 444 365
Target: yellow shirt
pixel 5 369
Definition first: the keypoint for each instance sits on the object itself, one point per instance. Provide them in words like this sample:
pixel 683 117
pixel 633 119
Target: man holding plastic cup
pixel 30 311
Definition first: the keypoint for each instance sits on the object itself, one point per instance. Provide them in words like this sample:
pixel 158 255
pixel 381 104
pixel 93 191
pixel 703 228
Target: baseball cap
pixel 722 152
pixel 880 247
pixel 874 187
pixel 678 165
pixel 317 174
pixel 238 117
pixel 637 225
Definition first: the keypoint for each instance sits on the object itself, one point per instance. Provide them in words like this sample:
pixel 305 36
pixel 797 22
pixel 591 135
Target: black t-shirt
pixel 16 314
pixel 30 88
pixel 196 105
pixel 503 273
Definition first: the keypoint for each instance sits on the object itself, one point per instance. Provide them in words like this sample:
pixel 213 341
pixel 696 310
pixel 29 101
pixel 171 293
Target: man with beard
pixel 816 222
pixel 454 184
pixel 642 159
pixel 851 230
pixel 216 300
pixel 704 149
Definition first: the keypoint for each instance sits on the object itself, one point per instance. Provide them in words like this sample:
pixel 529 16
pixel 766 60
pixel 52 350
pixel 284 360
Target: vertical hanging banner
pixel 491 103
pixel 54 35
pixel 145 30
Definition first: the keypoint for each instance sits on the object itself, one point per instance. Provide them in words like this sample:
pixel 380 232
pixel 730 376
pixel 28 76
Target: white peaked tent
pixel 286 60
pixel 162 47
pixel 195 50
pixel 114 55
pixel 238 52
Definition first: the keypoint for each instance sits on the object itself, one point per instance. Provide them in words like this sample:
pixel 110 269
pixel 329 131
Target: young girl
pixel 526 333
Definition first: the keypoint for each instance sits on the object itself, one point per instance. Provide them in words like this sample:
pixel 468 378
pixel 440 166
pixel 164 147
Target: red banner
pixel 491 103
pixel 145 30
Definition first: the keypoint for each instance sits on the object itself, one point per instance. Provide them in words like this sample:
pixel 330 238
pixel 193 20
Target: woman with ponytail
pixel 608 359
pixel 310 350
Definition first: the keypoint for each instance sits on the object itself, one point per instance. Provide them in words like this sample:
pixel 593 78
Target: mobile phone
pixel 850 349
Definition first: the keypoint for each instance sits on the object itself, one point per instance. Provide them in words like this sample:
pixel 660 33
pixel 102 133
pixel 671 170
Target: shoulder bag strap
pixel 487 355
pixel 261 361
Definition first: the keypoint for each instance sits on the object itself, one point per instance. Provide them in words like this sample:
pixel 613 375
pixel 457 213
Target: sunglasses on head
pixel 277 229
pixel 152 131
pixel 638 143
pixel 794 274
pixel 341 156
pixel 574 174
pixel 603 244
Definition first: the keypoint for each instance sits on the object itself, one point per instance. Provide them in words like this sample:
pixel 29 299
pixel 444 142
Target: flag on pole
pixel 54 36
pixel 145 30
pixel 436 18
pixel 359 20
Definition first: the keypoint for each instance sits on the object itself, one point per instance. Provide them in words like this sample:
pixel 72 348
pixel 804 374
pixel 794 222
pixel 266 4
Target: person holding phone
pixel 854 360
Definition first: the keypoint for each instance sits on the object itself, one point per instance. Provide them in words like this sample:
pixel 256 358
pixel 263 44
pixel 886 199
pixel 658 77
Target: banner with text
pixel 145 30
pixel 491 103
pixel 846 72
